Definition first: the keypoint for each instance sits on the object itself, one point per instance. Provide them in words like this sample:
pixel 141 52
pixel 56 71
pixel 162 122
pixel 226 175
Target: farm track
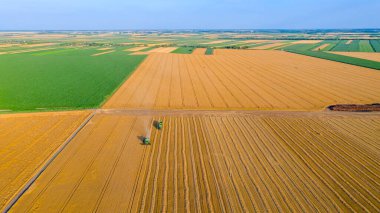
pixel 248 79
pixel 219 161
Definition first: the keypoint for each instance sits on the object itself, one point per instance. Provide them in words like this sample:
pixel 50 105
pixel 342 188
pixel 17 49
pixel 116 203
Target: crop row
pixel 217 163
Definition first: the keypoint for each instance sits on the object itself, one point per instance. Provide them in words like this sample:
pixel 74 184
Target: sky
pixel 188 14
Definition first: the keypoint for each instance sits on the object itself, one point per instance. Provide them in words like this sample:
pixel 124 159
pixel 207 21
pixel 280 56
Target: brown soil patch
pixel 355 107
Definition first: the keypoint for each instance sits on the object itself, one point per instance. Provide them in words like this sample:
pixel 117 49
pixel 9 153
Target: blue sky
pixel 187 14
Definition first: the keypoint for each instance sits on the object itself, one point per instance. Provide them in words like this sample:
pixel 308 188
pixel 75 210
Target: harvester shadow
pixel 155 124
pixel 141 139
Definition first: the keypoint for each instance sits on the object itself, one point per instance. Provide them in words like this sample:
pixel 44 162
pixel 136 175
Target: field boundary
pixel 121 84
pixel 339 58
pixel 174 112
pixel 49 160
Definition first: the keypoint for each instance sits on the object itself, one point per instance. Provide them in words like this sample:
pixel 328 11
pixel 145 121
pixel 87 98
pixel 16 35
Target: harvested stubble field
pixel 323 46
pixel 135 49
pixel 307 42
pixel 199 51
pixel 216 161
pixel 363 55
pixel 269 46
pixel 26 141
pixel 162 50
pixel 251 79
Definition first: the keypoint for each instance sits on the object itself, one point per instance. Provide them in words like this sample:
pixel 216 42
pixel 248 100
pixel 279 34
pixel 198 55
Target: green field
pixel 62 79
pixel 331 44
pixel 209 51
pixel 340 58
pixel 375 44
pixel 184 50
pixel 342 46
pixel 334 45
pixel 365 46
pixel 301 47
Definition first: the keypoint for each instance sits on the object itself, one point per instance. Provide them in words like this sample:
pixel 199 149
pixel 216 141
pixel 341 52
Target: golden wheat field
pixel 364 55
pixel 26 141
pixel 215 161
pixel 199 51
pixel 244 131
pixel 250 79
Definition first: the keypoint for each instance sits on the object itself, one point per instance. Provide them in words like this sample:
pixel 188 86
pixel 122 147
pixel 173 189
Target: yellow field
pixel 105 48
pixel 307 42
pixel 215 161
pixel 216 42
pixel 321 47
pixel 363 55
pixel 163 50
pixel 30 50
pixel 199 51
pixel 268 46
pixel 244 131
pixel 26 141
pixel 7 45
pixel 255 41
pixel 251 79
pixel 103 53
pixel 135 49
pixel 39 45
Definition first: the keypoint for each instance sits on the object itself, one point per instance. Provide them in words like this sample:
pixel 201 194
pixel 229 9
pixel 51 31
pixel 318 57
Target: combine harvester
pixel 146 141
pixel 159 125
